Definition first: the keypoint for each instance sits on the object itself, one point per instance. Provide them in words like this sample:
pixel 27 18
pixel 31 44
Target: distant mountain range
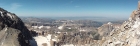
pixel 95 18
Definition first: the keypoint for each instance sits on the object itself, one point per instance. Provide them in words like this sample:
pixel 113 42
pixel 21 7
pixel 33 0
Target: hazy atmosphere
pixel 71 8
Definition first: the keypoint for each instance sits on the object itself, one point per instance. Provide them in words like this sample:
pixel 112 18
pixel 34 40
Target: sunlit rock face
pixel 127 35
pixel 12 30
pixel 105 29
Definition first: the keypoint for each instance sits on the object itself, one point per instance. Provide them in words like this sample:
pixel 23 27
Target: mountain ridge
pixel 126 35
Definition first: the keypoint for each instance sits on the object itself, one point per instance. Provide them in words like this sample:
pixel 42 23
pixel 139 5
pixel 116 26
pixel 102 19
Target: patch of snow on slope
pixel 41 39
pixel 10 15
pixel 136 24
pixel 40 27
pixel 109 23
pixel 1 13
pixel 60 27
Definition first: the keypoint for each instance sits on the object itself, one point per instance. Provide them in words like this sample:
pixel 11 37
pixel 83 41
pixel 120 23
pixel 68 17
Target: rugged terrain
pixel 12 30
pixel 67 32
pixel 127 34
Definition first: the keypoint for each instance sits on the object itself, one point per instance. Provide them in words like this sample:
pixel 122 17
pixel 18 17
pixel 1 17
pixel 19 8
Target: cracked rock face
pixel 12 30
pixel 127 35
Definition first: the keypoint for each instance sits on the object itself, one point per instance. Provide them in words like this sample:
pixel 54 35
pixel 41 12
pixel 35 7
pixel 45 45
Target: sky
pixel 71 8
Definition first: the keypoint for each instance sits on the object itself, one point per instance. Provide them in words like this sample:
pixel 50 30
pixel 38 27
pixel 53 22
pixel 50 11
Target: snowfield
pixel 41 39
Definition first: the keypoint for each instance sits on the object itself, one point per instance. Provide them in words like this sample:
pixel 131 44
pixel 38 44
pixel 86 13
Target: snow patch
pixel 58 32
pixel 1 13
pixel 54 40
pixel 40 27
pixel 136 24
pixel 6 29
pixel 8 14
pixel 109 23
pixel 35 27
pixel 60 27
pixel 48 27
pixel 41 39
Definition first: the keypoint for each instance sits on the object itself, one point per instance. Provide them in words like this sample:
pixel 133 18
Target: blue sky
pixel 70 8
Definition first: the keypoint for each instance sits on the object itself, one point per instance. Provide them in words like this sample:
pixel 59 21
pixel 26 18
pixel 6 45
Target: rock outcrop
pixel 127 35
pixel 105 29
pixel 12 30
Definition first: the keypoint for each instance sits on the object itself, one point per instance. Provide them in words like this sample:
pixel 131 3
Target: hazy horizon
pixel 71 8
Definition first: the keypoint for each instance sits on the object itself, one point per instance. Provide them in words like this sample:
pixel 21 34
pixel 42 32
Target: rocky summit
pixel 12 30
pixel 126 35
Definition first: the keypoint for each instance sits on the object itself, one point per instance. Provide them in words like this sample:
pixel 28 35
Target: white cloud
pixel 15 6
